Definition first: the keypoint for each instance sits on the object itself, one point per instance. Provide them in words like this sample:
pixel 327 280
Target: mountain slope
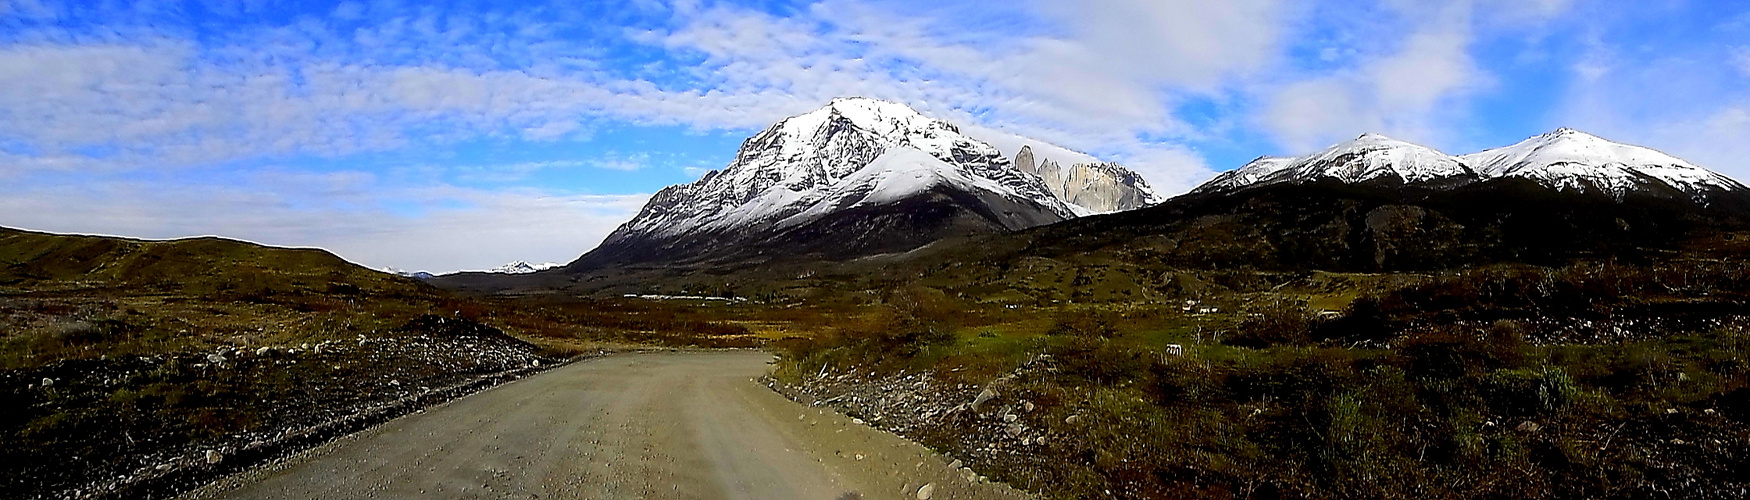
pixel 1370 158
pixel 1571 160
pixel 849 166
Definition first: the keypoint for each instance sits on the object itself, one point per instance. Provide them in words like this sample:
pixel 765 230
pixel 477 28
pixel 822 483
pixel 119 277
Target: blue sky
pixel 462 135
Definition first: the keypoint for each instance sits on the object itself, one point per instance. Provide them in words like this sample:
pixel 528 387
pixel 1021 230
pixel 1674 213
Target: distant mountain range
pixel 522 267
pixel 1564 160
pixel 514 267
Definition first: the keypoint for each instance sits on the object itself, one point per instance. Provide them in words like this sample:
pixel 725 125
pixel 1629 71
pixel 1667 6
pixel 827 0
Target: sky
pixel 462 135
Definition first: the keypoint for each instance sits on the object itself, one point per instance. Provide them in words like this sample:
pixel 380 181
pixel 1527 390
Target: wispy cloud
pixel 434 227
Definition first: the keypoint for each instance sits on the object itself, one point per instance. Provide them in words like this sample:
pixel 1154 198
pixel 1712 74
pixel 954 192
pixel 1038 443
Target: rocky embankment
pixel 152 425
pixel 991 429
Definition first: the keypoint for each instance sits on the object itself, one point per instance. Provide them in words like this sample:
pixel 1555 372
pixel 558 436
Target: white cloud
pixel 1414 93
pixel 451 229
pixel 1094 77
pixel 1740 58
pixel 625 163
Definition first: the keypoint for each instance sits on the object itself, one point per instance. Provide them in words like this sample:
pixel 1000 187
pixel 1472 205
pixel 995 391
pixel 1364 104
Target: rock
pixel 264 351
pixel 214 457
pixel 983 396
pixel 857 421
pixel 1529 426
pixel 927 491
pixel 1039 440
pixel 1678 442
pixel 1709 412
pixel 48 382
pixel 1072 419
pixel 1024 160
pixel 216 358
pixel 1010 418
pixel 957 463
pixel 1027 406
pixel 1670 411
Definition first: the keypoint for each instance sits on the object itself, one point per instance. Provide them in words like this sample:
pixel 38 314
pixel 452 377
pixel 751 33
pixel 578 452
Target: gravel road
pixel 667 425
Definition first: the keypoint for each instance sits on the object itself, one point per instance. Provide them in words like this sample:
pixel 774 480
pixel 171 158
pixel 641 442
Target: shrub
pixel 1277 323
pixel 1528 392
pixel 1452 352
pixel 1082 324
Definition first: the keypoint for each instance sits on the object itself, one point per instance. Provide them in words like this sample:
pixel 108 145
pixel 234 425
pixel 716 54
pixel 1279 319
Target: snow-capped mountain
pixel 522 267
pixel 1370 158
pixel 418 275
pixel 863 157
pixel 1089 188
pixel 1571 160
pixel 1563 160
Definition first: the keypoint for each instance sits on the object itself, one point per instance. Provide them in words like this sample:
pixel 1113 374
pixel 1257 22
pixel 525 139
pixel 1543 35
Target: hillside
pixel 39 261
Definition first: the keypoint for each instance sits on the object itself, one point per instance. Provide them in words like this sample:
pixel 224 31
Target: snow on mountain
pixel 1565 160
pixel 418 275
pixel 1251 173
pixel 1368 158
pixel 521 267
pixel 852 152
pixel 1092 187
pixel 1571 160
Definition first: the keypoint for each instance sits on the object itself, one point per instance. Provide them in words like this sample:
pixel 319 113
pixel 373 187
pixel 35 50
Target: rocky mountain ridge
pixel 1093 188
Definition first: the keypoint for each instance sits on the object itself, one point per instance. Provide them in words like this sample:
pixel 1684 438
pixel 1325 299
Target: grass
pixel 1479 386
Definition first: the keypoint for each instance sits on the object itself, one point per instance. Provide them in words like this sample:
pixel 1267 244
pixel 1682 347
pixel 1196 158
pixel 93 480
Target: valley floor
pixel 681 425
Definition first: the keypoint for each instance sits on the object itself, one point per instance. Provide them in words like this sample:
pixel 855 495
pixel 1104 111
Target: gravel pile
pixel 146 425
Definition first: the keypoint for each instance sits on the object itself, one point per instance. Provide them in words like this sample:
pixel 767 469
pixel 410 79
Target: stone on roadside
pixel 927 491
pixel 214 457
pixel 983 396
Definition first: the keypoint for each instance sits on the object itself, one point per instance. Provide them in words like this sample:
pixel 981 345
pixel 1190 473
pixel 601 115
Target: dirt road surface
pixel 670 425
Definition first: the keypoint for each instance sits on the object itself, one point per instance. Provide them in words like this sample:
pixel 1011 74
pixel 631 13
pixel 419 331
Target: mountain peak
pixel 1571 160
pixel 1367 158
pixel 853 156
